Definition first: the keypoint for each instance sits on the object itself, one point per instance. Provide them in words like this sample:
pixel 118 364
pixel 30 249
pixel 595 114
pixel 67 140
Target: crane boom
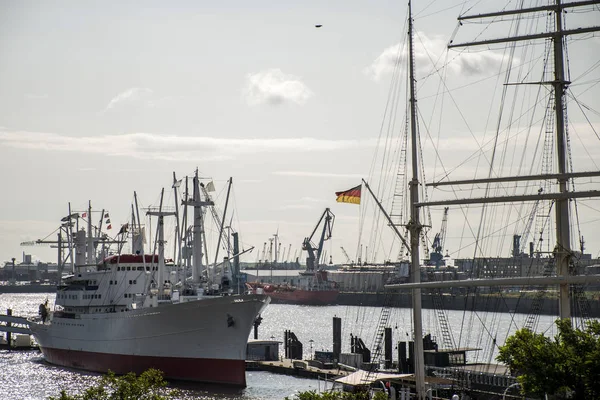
pixel 346 255
pixel 312 261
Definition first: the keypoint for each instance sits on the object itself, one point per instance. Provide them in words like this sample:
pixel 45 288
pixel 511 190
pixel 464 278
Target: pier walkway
pixel 296 368
pixel 12 324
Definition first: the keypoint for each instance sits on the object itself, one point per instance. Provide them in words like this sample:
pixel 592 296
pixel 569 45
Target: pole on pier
pixel 388 348
pixel 257 322
pixel 8 324
pixel 337 338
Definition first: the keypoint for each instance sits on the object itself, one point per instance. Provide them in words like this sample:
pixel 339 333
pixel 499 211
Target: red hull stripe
pixel 228 372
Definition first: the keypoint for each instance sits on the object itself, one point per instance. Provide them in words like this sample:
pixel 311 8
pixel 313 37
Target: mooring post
pixel 8 335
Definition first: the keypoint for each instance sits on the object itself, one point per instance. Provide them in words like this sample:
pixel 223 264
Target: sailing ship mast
pixel 414 224
pixel 563 246
pixel 563 250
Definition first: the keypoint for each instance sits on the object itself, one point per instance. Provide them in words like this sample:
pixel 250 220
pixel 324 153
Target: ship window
pixel 134 281
pixel 147 268
pixel 128 268
pixel 130 282
pixel 140 268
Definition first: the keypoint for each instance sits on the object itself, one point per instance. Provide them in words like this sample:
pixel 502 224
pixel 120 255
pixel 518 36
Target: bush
pixel 567 366
pixel 150 385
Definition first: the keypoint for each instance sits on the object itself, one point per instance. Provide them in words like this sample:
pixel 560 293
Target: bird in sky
pixel 318 25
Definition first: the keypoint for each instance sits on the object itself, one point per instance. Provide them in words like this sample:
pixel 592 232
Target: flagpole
pixel 387 216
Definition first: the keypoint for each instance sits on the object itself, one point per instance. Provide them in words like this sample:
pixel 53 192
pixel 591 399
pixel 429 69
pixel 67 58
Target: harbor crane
pixel 346 255
pixel 315 251
pixel 438 241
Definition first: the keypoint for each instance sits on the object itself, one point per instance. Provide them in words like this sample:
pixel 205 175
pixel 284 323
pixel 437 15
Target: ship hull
pixel 210 370
pixel 201 341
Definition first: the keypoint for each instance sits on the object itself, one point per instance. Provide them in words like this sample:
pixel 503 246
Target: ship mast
pixel 563 234
pixel 90 237
pixel 197 229
pixel 563 227
pixel 563 246
pixel 414 225
pixel 161 240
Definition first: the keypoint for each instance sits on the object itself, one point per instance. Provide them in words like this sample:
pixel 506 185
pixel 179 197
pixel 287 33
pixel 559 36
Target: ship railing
pixel 64 314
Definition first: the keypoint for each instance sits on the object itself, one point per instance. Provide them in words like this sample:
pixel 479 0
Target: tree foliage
pixel 149 385
pixel 566 366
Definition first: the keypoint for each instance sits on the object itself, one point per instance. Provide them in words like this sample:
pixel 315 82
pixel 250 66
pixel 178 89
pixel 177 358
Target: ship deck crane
pixel 315 251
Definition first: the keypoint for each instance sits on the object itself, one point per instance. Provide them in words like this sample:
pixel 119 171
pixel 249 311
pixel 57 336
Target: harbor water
pixel 25 374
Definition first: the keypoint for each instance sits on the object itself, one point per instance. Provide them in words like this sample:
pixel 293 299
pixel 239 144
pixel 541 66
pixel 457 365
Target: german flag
pixel 349 196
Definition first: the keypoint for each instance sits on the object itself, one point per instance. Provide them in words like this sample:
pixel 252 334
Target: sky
pixel 100 99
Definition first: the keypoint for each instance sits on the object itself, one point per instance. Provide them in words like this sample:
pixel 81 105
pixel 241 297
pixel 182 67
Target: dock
pixel 297 368
pixel 12 324
pixel 18 326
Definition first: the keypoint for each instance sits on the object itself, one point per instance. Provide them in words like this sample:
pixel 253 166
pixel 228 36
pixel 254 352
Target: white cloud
pixel 274 87
pixel 130 97
pixel 171 147
pixel 428 50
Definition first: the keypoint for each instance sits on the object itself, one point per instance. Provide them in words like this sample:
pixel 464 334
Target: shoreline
pixel 492 303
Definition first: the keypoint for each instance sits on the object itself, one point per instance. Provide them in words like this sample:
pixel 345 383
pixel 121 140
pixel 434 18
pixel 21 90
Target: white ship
pixel 122 314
